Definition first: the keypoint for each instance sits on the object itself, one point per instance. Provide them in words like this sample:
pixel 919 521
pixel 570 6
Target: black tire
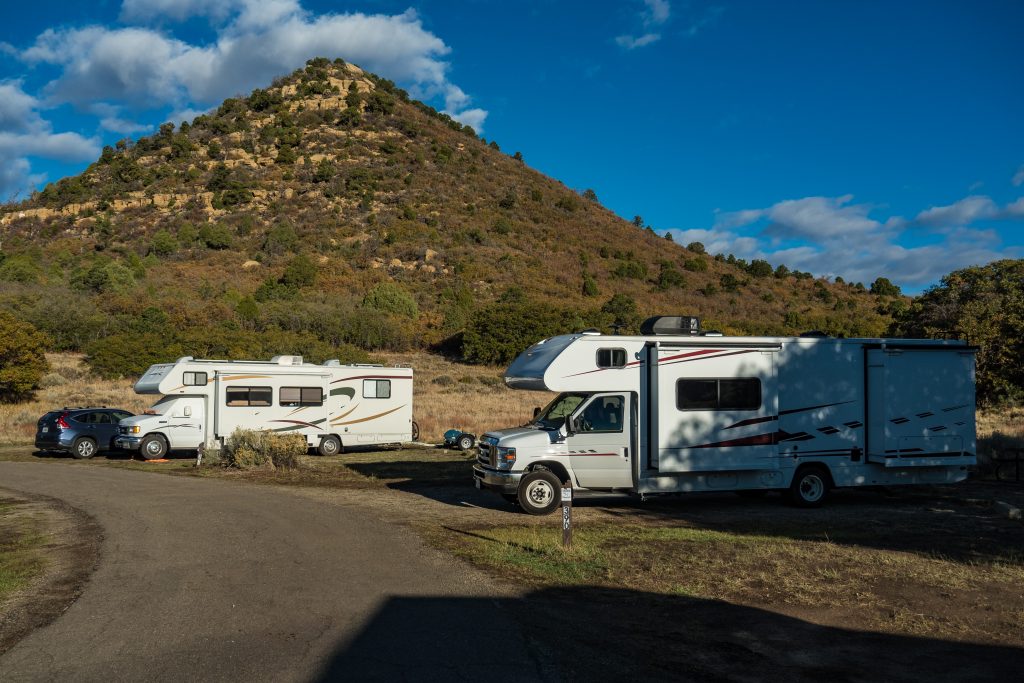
pixel 83 448
pixel 539 492
pixel 330 445
pixel 466 442
pixel 415 431
pixel 810 487
pixel 153 447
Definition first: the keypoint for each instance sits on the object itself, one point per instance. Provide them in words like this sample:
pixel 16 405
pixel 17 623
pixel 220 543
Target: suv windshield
pixel 553 417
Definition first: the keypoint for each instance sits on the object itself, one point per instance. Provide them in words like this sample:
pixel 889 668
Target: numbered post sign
pixel 567 516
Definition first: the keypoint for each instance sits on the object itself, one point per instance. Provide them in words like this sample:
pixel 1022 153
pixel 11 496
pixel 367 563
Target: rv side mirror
pixel 570 425
pixel 536 412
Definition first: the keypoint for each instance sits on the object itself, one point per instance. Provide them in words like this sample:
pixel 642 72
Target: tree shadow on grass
pixel 596 634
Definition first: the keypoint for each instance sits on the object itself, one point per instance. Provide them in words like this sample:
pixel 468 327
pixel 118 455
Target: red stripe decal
pixel 350 379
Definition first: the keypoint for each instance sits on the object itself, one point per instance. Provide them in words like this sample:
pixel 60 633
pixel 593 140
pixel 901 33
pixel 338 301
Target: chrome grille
pixel 487 451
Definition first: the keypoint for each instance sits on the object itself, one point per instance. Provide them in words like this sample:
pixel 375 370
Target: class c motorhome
pixel 675 410
pixel 331 405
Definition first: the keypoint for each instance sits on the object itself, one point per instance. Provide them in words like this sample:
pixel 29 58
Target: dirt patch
pixel 69 549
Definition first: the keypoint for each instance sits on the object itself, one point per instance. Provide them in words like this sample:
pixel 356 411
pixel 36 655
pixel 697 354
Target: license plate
pixel 45 429
pixel 476 482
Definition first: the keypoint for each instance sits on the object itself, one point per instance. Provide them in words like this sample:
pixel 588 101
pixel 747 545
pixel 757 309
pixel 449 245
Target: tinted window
pixel 376 388
pixel 194 379
pixel 84 418
pixel 101 418
pixel 604 414
pixel 119 415
pixel 301 396
pixel 718 394
pixel 611 358
pixel 248 396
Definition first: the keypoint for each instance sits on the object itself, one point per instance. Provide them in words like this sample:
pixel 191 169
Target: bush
pixel 760 268
pixel 630 269
pixel 696 247
pixel 247 449
pixel 163 243
pixel 501 331
pixel 22 359
pixel 129 354
pixel 215 236
pixel 884 287
pixel 695 265
pixel 391 298
pixel 20 269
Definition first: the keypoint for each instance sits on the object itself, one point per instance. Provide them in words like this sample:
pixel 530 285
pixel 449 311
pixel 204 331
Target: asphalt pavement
pixel 213 580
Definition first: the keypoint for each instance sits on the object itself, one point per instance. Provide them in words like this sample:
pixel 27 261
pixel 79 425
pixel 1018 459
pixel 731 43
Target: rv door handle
pixel 625 453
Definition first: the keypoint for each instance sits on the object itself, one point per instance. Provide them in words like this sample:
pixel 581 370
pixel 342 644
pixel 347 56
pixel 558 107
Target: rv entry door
pixel 601 449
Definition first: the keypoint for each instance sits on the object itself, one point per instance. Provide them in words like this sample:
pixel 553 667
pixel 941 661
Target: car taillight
pixel 62 423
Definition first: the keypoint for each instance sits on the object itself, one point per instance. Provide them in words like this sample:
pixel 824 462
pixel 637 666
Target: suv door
pixel 601 446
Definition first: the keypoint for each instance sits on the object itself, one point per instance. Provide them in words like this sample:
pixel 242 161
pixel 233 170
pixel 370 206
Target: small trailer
pixel 677 410
pixel 331 405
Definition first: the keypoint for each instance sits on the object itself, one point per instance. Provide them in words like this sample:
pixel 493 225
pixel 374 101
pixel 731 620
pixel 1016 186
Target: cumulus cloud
pixel 147 68
pixel 1018 177
pixel 833 236
pixel 965 211
pixel 24 133
pixel 657 11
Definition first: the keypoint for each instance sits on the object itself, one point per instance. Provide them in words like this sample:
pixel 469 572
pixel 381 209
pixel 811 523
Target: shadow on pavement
pixel 622 635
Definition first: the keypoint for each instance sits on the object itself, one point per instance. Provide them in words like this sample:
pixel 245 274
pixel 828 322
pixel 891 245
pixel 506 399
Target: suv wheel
pixel 83 448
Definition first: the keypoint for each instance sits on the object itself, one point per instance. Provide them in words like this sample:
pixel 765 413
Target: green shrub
pixel 215 236
pixel 247 449
pixel 501 331
pixel 163 243
pixel 630 269
pixel 22 358
pixel 391 298
pixel 696 265
pixel 20 268
pixel 130 354
pixel 300 272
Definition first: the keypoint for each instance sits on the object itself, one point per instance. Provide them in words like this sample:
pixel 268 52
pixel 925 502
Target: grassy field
pixel 22 554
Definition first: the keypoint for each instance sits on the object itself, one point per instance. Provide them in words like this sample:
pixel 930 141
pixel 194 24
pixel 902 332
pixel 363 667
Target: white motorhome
pixel 675 410
pixel 331 405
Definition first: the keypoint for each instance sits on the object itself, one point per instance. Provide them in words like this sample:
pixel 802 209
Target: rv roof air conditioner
pixel 671 324
pixel 287 360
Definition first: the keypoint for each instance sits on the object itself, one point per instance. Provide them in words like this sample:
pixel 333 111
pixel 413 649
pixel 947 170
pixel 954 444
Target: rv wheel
pixel 329 445
pixel 810 487
pixel 539 492
pixel 153 448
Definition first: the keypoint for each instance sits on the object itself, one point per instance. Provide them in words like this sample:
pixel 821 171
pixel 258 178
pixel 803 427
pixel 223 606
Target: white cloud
pixel 963 212
pixel 632 43
pixel 657 11
pixel 1018 177
pixel 833 236
pixel 24 133
pixel 147 69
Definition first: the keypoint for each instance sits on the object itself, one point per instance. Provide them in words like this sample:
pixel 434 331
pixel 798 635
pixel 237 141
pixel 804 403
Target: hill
pixel 330 214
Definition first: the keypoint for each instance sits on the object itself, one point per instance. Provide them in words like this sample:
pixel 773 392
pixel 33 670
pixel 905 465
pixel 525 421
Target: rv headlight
pixel 506 457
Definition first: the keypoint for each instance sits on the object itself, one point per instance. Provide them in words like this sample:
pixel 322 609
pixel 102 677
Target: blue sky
pixel 855 139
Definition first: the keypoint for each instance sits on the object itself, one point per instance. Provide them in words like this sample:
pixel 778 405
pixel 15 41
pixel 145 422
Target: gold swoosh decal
pixel 366 419
pixel 348 413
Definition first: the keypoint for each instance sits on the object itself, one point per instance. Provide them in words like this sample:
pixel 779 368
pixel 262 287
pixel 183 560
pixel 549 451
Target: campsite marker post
pixel 567 516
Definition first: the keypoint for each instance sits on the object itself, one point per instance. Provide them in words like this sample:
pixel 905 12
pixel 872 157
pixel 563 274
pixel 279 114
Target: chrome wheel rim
pixel 330 446
pixel 153 447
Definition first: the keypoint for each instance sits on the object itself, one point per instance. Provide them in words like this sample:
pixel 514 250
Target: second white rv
pixel 674 411
pixel 331 405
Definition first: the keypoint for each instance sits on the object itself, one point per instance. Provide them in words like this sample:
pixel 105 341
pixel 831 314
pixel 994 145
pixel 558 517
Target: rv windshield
pixel 160 407
pixel 553 417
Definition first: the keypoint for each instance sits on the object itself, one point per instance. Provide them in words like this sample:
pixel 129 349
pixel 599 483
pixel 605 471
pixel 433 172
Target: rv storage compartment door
pixel 715 408
pixel 920 406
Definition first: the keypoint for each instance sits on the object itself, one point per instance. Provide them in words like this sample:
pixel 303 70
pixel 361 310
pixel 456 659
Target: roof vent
pixel 332 363
pixel 287 360
pixel 671 324
pixel 711 333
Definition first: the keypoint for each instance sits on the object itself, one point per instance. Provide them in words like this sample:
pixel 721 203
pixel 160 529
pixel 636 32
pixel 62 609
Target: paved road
pixel 214 580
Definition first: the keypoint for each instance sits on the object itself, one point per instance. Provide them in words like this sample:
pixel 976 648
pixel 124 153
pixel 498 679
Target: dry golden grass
pixel 471 398
pixel 999 429
pixel 69 383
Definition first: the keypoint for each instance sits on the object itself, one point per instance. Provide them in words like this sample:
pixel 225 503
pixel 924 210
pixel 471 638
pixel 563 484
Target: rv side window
pixel 376 388
pixel 194 379
pixel 611 358
pixel 248 396
pixel 719 394
pixel 301 396
pixel 604 414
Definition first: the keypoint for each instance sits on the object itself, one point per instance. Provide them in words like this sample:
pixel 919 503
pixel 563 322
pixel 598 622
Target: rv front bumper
pixel 128 443
pixel 495 480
